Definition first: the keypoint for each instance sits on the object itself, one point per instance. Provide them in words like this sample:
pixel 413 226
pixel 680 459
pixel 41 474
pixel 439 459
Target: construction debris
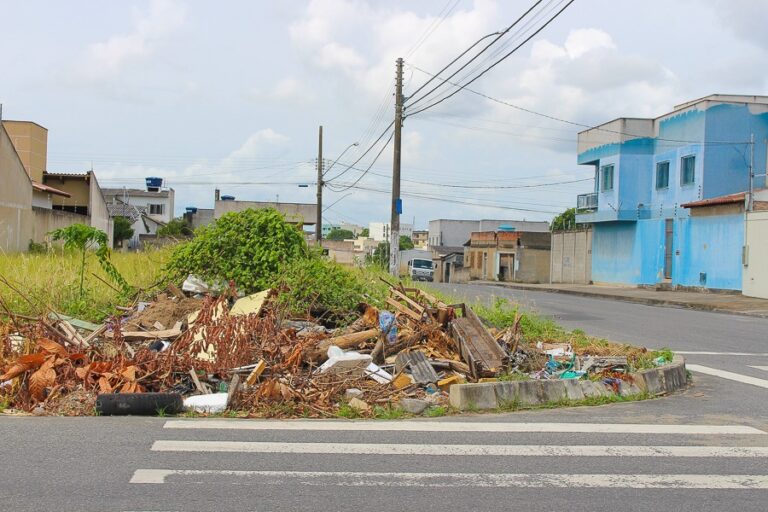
pixel 223 352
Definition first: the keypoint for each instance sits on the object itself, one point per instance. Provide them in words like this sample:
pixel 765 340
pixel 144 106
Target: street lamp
pixel 354 144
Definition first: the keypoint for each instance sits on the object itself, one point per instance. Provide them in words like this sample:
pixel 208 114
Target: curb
pixel 493 395
pixel 626 298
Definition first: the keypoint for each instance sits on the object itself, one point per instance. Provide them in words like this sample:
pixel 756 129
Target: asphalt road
pixel 701 450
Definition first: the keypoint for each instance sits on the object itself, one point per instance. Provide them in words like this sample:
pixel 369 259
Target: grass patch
pixel 389 412
pixel 348 412
pixel 586 402
pixel 436 411
pixel 513 376
pixel 51 280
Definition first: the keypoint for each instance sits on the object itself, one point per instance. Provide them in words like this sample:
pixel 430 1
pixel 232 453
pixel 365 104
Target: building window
pixel 662 175
pixel 156 209
pixel 687 170
pixel 606 178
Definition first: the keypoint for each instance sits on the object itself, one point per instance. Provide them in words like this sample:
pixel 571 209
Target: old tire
pixel 138 404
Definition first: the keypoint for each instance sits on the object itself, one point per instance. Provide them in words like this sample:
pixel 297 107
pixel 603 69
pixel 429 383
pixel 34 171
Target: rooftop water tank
pixel 191 209
pixel 227 198
pixel 506 227
pixel 154 183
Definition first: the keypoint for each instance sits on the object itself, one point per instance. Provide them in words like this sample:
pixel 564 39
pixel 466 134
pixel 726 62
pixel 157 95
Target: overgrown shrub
pixel 247 247
pixel 318 288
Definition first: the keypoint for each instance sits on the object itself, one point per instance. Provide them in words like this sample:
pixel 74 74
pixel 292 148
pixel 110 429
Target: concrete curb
pixel 494 395
pixel 626 298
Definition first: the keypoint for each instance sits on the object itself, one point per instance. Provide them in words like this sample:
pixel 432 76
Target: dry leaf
pixel 22 365
pixel 52 347
pixel 129 373
pixel 43 378
pixel 104 385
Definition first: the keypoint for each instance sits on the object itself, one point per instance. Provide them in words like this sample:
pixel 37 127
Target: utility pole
pixel 319 217
pixel 397 205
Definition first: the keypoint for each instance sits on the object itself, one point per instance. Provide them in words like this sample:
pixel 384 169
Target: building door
pixel 669 228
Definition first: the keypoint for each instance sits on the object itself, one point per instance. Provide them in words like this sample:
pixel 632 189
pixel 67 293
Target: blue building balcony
pixel 586 201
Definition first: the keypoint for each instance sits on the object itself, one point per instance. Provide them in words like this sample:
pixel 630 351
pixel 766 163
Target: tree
pixel 340 234
pixel 365 233
pixel 565 221
pixel 122 230
pixel 405 243
pixel 247 247
pixel 80 237
pixel 177 227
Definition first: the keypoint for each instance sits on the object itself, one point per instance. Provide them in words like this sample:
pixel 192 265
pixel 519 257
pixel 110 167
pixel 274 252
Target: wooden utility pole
pixel 394 227
pixel 319 216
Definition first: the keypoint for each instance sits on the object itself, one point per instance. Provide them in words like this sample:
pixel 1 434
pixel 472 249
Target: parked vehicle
pixel 420 269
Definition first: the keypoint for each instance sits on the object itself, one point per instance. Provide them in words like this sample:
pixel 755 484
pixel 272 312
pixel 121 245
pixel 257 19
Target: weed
pixel 161 412
pixel 388 412
pixel 436 411
pixel 347 411
pixel 513 376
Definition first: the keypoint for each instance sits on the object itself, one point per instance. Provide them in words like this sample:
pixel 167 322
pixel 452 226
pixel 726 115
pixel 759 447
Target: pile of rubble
pixel 207 353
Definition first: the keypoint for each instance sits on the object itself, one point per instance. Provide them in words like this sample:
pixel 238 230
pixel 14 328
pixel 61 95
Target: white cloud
pixel 108 58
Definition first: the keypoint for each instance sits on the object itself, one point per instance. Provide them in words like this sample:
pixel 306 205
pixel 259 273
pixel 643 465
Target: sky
pixel 230 94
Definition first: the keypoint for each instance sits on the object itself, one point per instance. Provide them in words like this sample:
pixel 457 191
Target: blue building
pixel 654 211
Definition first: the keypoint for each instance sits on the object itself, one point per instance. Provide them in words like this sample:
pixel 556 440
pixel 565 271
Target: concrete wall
pixel 708 250
pixel 97 209
pixel 46 220
pixel 533 266
pixel 755 276
pixel 571 257
pixel 15 199
pixel 294 212
pixel 450 232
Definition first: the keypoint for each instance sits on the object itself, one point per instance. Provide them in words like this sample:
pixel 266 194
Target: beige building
pixel 34 202
pixel 508 256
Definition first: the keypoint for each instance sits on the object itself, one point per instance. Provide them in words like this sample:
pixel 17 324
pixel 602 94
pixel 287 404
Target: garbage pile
pixel 208 351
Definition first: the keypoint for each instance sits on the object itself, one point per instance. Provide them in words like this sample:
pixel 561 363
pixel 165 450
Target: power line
pixel 499 61
pixel 369 167
pixel 434 25
pixel 365 153
pixel 566 121
pixel 502 34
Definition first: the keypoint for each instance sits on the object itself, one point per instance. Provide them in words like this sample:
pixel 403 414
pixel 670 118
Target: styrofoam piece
pixel 211 404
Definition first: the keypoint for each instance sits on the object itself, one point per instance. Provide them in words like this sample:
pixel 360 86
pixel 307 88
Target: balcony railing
pixel 586 201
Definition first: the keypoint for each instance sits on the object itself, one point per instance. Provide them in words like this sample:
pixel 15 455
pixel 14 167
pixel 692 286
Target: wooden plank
pixel 147 335
pixel 344 341
pixel 415 305
pixel 402 309
pixel 196 380
pixel 256 373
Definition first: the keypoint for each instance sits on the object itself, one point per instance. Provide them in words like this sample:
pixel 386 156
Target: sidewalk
pixel 733 303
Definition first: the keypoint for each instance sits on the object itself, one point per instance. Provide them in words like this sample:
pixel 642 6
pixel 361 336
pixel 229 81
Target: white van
pixel 420 269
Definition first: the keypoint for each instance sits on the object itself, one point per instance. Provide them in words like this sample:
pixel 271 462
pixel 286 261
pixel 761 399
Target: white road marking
pixel 456 426
pixel 745 379
pixel 752 354
pixel 764 368
pixel 545 480
pixel 459 449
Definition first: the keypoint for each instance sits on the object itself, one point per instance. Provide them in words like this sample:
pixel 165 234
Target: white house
pixel 379 231
pixel 148 210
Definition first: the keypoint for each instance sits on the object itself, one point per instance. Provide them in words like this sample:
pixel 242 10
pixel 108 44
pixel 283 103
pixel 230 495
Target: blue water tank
pixel 227 198
pixel 154 183
pixel 506 227
pixel 191 209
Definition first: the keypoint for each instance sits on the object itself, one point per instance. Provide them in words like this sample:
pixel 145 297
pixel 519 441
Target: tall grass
pixel 41 282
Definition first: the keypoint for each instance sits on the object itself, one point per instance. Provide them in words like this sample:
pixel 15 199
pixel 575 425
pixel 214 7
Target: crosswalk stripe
pixel 460 426
pixel 545 480
pixel 744 379
pixel 706 353
pixel 458 449
pixel 764 368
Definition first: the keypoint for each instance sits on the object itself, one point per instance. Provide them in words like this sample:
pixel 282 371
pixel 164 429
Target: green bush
pixel 248 247
pixel 318 288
